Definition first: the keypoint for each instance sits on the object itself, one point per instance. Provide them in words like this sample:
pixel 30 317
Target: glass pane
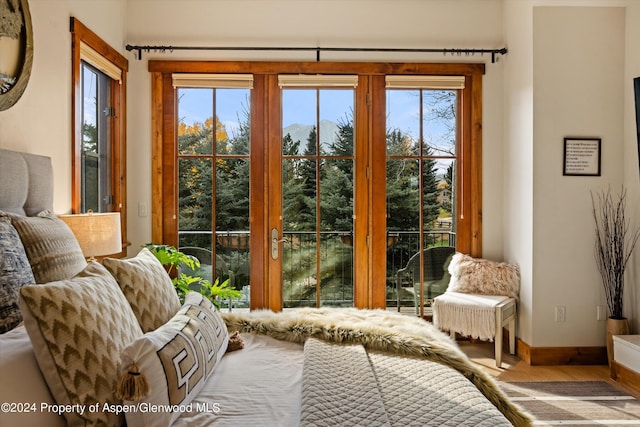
pixel 232 225
pixel 299 195
pixel 194 196
pixel 439 122
pixel 200 111
pixel 403 122
pixel 317 197
pixel 90 182
pixel 89 110
pixel 420 192
pixel 403 222
pixel 232 121
pixel 299 266
pixel 95 144
pixel 336 223
pixel 195 120
pixel 198 245
pixel 336 122
pixel 299 121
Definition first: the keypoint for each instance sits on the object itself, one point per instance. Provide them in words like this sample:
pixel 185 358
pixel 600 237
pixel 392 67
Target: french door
pixel 306 187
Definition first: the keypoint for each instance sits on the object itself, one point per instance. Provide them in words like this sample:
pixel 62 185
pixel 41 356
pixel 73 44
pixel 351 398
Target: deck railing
pixel 300 262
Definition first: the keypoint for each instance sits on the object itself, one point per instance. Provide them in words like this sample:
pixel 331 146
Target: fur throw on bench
pixel 482 276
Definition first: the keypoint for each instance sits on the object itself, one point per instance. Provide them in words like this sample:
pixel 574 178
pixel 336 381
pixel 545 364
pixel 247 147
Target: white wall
pixel 567 79
pixel 631 167
pixel 518 154
pixel 40 122
pixel 578 91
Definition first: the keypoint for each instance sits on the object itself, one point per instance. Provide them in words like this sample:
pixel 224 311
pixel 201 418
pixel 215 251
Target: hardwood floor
pixel 513 369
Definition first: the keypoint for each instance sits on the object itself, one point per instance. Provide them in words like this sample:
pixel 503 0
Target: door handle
pixel 275 250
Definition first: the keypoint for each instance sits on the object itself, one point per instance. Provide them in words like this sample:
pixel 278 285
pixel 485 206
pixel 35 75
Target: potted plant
pixel 613 247
pixel 173 259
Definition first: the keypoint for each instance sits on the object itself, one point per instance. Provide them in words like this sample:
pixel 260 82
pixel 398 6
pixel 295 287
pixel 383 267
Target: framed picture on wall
pixel 581 157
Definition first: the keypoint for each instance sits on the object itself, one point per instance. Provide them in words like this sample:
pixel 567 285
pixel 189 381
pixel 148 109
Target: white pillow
pixel 175 360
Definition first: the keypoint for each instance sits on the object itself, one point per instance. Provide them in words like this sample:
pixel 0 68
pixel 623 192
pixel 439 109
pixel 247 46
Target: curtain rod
pixel 459 52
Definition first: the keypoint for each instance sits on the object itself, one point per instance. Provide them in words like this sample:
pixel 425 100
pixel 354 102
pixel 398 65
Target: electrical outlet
pixel 142 210
pixel 560 313
pixel 600 313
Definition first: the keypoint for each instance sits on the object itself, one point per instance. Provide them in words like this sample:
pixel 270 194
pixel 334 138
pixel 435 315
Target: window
pixel 422 191
pixel 213 175
pixel 98 123
pixel 317 189
pixel 96 190
pixel 308 196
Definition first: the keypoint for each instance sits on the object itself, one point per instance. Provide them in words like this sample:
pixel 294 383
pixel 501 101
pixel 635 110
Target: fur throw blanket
pixel 378 330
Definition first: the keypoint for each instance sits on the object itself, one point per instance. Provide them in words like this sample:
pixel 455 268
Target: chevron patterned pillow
pixel 78 327
pixel 147 287
pixel 53 250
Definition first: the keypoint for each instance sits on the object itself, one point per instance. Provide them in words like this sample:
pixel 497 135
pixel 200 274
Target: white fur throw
pixel 481 276
pixel 378 330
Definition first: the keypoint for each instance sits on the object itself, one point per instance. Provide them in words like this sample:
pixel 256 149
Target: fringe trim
pixel 476 322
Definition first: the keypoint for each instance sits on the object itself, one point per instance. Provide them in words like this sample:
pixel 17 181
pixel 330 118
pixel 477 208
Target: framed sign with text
pixel 581 157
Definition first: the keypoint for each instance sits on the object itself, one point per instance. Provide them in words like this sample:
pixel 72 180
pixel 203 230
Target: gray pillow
pixel 52 248
pixel 15 272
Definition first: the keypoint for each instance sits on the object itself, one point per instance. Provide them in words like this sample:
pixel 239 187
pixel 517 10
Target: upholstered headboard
pixel 26 183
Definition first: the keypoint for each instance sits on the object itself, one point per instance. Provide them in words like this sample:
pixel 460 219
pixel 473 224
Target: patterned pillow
pixel 176 359
pixel 52 249
pixel 147 287
pixel 15 272
pixel 481 276
pixel 78 328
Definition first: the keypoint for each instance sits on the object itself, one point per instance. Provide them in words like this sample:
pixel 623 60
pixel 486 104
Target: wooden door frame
pixel 370 271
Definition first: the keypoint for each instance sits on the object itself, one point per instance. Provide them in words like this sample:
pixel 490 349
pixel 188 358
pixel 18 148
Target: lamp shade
pixel 97 233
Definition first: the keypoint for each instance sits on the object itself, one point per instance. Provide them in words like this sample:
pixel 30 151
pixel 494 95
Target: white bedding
pixel 266 371
pixel 23 391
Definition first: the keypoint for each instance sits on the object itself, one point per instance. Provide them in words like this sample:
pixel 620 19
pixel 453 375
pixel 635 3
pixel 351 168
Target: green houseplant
pixel 173 260
pixel 613 247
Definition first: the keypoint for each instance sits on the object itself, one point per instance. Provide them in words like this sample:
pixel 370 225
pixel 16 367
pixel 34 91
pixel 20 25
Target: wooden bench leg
pixel 512 336
pixel 498 350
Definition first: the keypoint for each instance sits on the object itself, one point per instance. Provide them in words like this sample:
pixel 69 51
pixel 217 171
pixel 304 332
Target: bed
pixel 109 344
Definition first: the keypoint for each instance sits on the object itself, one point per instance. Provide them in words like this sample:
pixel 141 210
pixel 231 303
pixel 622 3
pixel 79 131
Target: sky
pixel 336 105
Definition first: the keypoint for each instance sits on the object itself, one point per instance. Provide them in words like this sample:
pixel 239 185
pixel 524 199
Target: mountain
pixel 298 132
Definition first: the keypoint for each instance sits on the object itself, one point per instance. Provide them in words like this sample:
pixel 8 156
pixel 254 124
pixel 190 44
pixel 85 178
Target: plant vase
pixel 615 327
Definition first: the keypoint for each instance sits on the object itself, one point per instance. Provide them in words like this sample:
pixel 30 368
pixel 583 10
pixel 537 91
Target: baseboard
pixel 546 356
pixel 625 376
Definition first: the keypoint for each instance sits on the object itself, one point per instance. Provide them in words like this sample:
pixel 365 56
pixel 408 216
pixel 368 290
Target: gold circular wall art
pixel 16 50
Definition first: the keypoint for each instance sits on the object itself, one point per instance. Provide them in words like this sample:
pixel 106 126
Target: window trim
pixel 81 35
pixel 372 75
